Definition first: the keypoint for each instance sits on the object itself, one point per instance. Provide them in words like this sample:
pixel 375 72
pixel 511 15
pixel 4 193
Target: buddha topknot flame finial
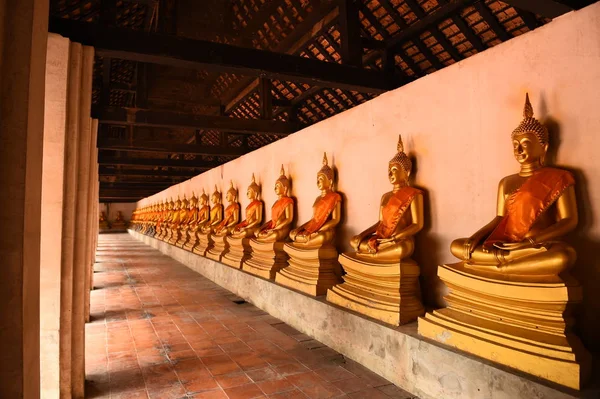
pixel 401 158
pixel 531 125
pixel 326 170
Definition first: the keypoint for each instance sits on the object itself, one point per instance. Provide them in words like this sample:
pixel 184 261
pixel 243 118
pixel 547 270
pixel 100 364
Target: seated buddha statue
pixel 216 212
pixel 254 213
pixel 282 213
pixel 511 298
pixel 327 210
pixel 232 214
pixel 191 218
pixel 203 217
pixel 381 279
pixel 174 220
pixel 119 222
pixel 180 219
pixel 103 221
pixel 166 218
pixel 535 208
pixel 400 216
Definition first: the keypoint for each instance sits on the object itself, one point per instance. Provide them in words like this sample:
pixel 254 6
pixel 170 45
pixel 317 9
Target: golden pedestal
pixel 183 238
pixel 103 226
pixel 389 292
pixel 191 242
pixel 266 259
pixel 312 271
pixel 521 324
pixel 218 249
pixel 174 237
pixel 205 242
pixel 118 226
pixel 239 251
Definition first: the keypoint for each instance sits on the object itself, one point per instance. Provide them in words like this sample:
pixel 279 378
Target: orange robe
pixel 321 210
pixel 249 209
pixel 276 212
pixel 392 213
pixel 527 203
pixel 229 214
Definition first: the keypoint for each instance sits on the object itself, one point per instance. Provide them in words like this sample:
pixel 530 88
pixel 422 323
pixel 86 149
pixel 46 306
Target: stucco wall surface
pixel 457 124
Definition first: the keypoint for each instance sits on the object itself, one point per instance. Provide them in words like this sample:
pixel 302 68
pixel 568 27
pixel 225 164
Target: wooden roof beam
pixel 106 171
pixel 170 147
pixel 139 117
pixel 162 162
pixel 545 8
pixel 199 54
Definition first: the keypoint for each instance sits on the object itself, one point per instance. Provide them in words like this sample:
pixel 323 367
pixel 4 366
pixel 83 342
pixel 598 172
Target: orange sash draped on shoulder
pixel 527 203
pixel 229 213
pixel 249 209
pixel 321 211
pixel 392 213
pixel 203 213
pixel 276 211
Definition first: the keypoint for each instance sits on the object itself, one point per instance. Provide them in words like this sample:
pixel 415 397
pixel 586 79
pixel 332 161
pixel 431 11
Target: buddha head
pixel 400 166
pixel 530 138
pixel 203 198
pixel 216 198
pixel 171 204
pixel 193 201
pixel 184 203
pixel 253 190
pixel 177 204
pixel 325 175
pixel 282 185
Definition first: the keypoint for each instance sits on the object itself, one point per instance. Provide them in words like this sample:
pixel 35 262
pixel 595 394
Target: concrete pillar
pixel 24 27
pixel 81 216
pixel 53 180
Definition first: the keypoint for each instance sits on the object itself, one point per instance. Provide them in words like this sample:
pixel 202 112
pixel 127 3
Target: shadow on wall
pixel 587 267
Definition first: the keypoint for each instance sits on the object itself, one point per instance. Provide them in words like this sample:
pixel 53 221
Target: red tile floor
pixel 160 330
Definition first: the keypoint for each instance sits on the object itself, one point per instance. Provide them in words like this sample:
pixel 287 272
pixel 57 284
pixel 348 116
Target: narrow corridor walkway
pixel 160 330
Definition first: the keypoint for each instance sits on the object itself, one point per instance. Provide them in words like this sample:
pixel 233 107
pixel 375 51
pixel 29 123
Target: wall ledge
pixel 400 355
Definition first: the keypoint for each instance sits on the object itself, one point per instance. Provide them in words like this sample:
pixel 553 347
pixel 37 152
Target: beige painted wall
pixel 457 123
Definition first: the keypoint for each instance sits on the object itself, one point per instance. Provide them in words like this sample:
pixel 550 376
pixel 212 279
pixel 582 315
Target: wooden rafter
pixel 162 162
pixel 106 171
pixel 188 53
pixel 545 8
pixel 170 147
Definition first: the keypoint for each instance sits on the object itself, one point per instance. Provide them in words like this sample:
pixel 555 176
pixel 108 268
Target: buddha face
pixel 203 201
pixel 323 182
pixel 528 149
pixel 397 174
pixel 230 196
pixel 251 193
pixel 280 189
pixel 214 199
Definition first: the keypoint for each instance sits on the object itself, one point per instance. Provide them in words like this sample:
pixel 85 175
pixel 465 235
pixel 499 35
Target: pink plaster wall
pixel 457 123
pixel 126 209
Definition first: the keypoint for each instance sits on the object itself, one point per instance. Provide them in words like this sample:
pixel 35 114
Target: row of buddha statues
pixel 510 296
pixel 118 224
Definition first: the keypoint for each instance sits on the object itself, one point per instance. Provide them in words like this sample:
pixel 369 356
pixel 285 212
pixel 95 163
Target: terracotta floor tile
pixel 368 393
pixel 232 380
pixel 247 391
pixel 160 330
pixel 270 387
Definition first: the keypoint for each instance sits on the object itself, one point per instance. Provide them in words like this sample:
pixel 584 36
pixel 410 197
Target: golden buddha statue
pixel 381 280
pixel 174 221
pixel 313 266
pixel 268 255
pixel 238 241
pixel 119 223
pixel 511 295
pixel 191 218
pixel 226 226
pixel 180 220
pixel 103 222
pixel 166 217
pixel 195 227
pixel 216 216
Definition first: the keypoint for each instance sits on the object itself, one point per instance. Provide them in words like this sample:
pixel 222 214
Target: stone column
pixel 53 181
pixel 23 34
pixel 92 219
pixel 81 216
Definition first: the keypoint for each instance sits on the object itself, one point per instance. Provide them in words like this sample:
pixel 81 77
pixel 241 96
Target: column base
pixel 239 251
pixel 266 259
pixel 389 292
pixel 312 271
pixel 520 324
